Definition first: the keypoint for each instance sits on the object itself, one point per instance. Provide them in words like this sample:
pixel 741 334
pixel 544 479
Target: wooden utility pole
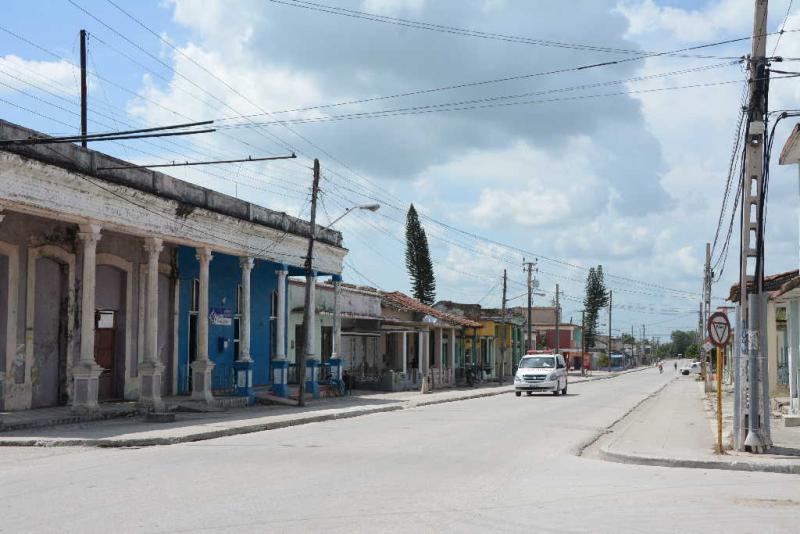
pixel 310 303
pixel 84 92
pixel 503 326
pixel 752 254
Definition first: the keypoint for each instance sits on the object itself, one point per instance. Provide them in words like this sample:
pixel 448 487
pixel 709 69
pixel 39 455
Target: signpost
pixel 719 334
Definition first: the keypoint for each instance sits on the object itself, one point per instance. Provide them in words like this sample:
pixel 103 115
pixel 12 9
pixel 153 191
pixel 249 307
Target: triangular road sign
pixel 719 329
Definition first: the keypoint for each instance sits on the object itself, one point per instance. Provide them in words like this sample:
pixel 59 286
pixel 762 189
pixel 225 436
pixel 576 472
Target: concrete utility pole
pixel 84 92
pixel 530 267
pixel 503 326
pixel 583 339
pixel 309 305
pixel 704 356
pixel 610 302
pixel 752 254
pixel 558 322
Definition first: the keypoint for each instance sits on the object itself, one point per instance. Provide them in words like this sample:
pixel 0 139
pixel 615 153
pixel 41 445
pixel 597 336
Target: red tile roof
pixel 403 301
pixel 773 282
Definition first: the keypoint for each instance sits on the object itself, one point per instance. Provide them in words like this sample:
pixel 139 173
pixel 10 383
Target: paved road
pixel 495 464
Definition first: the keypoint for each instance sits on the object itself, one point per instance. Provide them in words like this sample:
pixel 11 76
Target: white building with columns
pixel 131 284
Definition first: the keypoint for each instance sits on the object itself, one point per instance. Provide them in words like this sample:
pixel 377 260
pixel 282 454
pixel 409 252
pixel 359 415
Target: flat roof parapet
pixel 73 157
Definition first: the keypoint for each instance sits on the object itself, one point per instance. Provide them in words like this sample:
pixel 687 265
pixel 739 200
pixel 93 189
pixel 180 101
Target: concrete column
pixel 280 323
pixel 405 352
pixel 202 366
pixel 86 372
pixel 243 366
pixel 151 368
pixel 437 347
pixel 244 321
pixel 794 355
pixel 337 319
pixel 280 365
pixel 452 356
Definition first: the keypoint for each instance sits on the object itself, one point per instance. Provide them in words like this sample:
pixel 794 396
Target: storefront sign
pixel 220 317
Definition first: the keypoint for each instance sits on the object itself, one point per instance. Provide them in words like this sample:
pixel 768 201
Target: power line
pixel 351 13
pixel 488 99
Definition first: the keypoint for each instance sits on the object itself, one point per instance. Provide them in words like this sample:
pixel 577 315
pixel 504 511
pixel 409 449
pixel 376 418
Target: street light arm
pixel 370 207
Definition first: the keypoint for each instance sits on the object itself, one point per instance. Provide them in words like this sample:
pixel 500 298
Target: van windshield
pixel 538 362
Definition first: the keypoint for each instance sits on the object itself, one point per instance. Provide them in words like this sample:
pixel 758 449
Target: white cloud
pixel 55 76
pixel 646 16
pixel 391 7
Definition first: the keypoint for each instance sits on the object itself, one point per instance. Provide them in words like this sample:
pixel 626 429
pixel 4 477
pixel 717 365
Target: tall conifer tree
pixel 418 259
pixel 595 299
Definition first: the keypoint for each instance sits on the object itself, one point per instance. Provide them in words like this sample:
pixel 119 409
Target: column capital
pixel 89 233
pixel 153 245
pixel 247 263
pixel 204 254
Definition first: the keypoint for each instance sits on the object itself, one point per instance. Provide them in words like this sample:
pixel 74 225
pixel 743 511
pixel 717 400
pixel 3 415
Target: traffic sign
pixel 719 329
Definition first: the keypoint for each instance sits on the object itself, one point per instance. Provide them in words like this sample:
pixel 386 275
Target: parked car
pixel 541 372
pixel 690 368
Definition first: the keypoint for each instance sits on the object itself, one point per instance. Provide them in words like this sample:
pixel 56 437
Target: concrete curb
pixel 735 465
pixel 585 444
pixel 604 452
pixel 200 436
pixel 274 425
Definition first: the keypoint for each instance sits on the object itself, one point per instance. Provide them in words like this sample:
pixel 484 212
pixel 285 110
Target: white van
pixel 541 371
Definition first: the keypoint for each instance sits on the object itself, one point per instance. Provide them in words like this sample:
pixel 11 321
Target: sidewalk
pixel 673 428
pixel 135 431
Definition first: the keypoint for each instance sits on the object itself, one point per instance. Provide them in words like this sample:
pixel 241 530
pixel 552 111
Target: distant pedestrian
pixel 676 366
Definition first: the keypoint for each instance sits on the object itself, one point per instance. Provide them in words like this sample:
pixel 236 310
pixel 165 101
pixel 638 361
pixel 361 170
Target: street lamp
pixel 369 207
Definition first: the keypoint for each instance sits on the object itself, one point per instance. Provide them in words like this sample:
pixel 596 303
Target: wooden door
pixel 104 356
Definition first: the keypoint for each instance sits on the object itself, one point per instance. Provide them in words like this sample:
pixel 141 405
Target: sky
pixel 508 150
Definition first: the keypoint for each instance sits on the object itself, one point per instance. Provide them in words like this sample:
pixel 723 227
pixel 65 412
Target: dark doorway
pixel 49 335
pixel 104 355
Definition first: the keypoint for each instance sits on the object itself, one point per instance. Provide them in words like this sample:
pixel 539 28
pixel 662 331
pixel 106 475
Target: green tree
pixel 418 259
pixel 595 299
pixel 627 339
pixel 682 340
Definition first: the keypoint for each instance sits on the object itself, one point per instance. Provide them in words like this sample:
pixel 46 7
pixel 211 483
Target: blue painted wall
pixel 224 278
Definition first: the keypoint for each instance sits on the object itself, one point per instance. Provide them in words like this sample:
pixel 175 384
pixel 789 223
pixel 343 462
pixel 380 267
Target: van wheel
pixel 529 393
pixel 564 391
pixel 518 393
pixel 556 392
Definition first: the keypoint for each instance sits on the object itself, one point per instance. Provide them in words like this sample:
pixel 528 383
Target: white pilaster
pixel 202 366
pixel 151 368
pixel 337 319
pixel 452 346
pixel 437 347
pixel 244 323
pixel 405 352
pixel 280 323
pixel 86 372
pixel 794 356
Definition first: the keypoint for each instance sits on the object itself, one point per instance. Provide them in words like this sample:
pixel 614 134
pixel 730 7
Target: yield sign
pixel 719 329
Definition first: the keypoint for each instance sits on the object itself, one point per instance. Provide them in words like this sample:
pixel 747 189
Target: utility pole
pixel 558 322
pixel 84 92
pixel 530 266
pixel 310 304
pixel 503 313
pixel 610 302
pixel 704 356
pixel 583 340
pixel 752 254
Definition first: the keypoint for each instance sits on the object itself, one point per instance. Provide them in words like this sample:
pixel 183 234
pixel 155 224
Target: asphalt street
pixel 502 464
